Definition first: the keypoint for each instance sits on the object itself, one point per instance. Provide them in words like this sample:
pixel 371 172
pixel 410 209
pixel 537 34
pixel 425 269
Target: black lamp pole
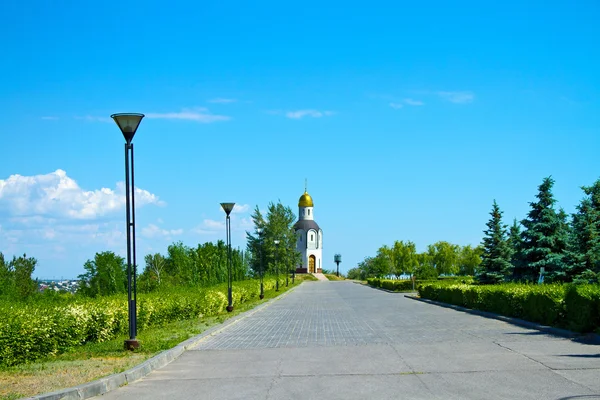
pixel 227 207
pixel 337 259
pixel 261 272
pixel 128 124
pixel 276 241
pixel 287 276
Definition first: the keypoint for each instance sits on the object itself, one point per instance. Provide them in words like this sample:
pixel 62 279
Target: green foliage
pixel 357 273
pixel 425 267
pixel 402 258
pixel 105 275
pixel 544 238
pixel 397 285
pixel 278 225
pixel 375 266
pixel 29 331
pixel 584 246
pixel 575 307
pixel 469 260
pixel 496 256
pixel 583 307
pixel 444 257
pixel 15 277
pixel 406 285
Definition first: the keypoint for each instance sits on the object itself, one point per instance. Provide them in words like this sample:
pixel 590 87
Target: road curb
pixel 590 338
pixel 112 382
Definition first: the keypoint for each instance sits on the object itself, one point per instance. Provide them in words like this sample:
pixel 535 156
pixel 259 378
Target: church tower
pixel 309 237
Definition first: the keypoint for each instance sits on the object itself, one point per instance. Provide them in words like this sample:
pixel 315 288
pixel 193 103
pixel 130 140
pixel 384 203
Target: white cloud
pixel 152 231
pixel 221 100
pixel 92 118
pixel 457 97
pixel 198 114
pixel 412 102
pixel 55 195
pixel 409 102
pixel 298 114
pixel 211 227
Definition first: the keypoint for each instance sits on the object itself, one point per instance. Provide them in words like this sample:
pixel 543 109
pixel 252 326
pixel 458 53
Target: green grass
pixel 334 277
pixel 92 361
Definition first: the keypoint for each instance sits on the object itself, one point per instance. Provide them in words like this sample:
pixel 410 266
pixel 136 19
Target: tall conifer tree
pixel 584 246
pixel 516 244
pixel 495 259
pixel 544 238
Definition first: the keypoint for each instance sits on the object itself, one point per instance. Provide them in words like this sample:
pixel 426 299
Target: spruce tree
pixel 584 246
pixel 495 260
pixel 516 244
pixel 544 238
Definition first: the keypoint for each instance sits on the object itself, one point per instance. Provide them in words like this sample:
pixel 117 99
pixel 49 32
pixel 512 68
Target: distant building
pixel 309 240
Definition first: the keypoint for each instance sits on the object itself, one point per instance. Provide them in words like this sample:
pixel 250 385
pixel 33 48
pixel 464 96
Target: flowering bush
pixel 32 331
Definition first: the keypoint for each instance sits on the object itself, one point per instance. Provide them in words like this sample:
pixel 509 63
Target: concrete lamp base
pixel 229 308
pixel 262 296
pixel 132 344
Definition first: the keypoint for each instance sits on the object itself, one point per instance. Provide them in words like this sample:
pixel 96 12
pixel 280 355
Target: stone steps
pixel 320 277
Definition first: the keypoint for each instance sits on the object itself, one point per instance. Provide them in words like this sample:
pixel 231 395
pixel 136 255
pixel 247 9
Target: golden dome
pixel 305 200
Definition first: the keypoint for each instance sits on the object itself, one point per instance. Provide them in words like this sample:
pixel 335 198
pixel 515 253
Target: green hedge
pixel 32 331
pixel 406 285
pixel 576 307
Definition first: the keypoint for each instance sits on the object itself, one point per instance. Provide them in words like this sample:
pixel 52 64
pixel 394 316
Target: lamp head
pixel 128 124
pixel 227 207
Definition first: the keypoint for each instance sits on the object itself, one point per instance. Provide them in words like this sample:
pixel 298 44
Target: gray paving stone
pixel 340 340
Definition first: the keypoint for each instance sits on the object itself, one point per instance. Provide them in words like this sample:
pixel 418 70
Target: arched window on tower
pixel 312 237
pixel 308 212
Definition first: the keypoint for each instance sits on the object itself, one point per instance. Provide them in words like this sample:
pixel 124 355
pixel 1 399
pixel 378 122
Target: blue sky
pixel 407 119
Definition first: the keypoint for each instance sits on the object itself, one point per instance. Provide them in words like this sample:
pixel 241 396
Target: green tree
pixel 255 243
pixel 106 274
pixel 357 273
pixel 496 255
pixel 153 274
pixel 388 258
pixel 444 257
pixel 425 268
pixel 405 258
pixel 515 242
pixel 179 264
pixel 23 268
pixel 544 238
pixel 469 260
pixel 584 245
pixel 277 225
pixel 6 278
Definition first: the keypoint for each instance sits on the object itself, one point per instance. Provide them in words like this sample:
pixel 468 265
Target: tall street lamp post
pixel 276 241
pixel 287 276
pixel 227 207
pixel 337 259
pixel 261 271
pixel 128 124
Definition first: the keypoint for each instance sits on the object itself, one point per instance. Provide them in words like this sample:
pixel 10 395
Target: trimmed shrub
pixel 583 307
pixel 574 307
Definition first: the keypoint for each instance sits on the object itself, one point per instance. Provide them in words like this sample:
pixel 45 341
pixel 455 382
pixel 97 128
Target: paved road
pixel 340 340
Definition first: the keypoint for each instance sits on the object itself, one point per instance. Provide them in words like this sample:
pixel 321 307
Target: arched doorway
pixel 311 264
